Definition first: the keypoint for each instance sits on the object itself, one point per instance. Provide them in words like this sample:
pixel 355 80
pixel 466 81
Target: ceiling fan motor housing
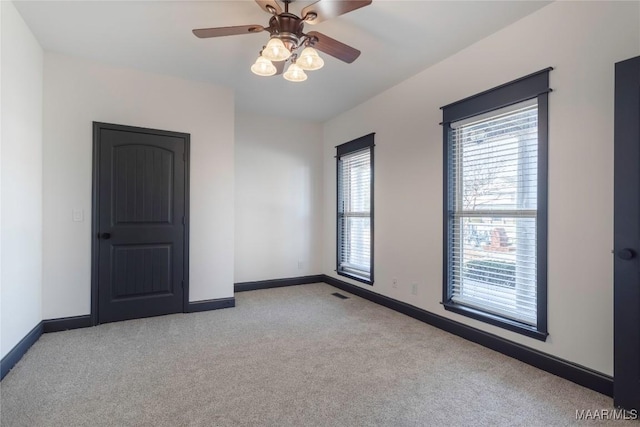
pixel 288 28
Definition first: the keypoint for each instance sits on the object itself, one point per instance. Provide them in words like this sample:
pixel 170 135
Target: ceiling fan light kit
pixel 295 73
pixel 263 67
pixel 286 30
pixel 309 60
pixel 275 50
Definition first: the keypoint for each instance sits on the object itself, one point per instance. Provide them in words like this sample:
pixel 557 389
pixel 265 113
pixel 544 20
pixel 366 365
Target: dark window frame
pixel 533 86
pixel 359 144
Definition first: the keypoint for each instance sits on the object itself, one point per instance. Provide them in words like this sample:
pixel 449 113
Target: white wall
pixel 582 40
pixel 278 186
pixel 77 92
pixel 21 179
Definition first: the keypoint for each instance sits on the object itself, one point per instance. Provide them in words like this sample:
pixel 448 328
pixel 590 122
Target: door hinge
pixel 184 221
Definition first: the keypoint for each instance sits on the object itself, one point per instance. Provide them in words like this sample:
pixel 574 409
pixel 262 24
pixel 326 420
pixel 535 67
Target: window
pixel 496 206
pixel 355 209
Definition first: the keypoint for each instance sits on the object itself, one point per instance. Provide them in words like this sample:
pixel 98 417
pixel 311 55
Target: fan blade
pixel 334 48
pixel 204 33
pixel 326 9
pixel 267 5
pixel 279 67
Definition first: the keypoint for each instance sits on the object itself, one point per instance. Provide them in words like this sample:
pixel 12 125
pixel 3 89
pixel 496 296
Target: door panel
pixel 143 184
pixel 627 236
pixel 141 270
pixel 141 221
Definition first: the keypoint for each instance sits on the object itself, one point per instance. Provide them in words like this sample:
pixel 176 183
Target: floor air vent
pixel 336 294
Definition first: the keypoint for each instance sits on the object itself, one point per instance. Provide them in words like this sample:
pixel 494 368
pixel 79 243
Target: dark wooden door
pixel 627 236
pixel 140 218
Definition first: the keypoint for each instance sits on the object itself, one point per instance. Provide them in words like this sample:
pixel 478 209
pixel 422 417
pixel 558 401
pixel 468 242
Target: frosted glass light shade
pixel 263 67
pixel 275 50
pixel 310 60
pixel 295 74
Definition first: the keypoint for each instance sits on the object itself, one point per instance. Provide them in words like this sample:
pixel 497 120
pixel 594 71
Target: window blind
pixel 354 213
pixel 493 188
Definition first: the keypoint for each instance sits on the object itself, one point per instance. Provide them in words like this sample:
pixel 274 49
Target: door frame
pixel 95 207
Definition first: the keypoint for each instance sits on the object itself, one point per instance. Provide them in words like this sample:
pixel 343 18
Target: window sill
pixel 356 278
pixel 492 319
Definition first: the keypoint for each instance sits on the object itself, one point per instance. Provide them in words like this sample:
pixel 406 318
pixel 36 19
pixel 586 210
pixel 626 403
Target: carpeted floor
pixel 294 356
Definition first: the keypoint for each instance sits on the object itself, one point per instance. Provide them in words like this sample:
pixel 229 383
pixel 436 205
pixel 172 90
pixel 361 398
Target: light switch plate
pixel 77 215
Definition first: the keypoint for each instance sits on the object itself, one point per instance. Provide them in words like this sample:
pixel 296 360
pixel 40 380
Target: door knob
pixel 626 254
pixel 105 236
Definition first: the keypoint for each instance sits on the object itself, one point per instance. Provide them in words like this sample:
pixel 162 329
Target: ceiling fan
pixel 287 36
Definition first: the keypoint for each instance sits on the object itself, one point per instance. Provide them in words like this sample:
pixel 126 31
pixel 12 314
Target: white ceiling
pixel 397 40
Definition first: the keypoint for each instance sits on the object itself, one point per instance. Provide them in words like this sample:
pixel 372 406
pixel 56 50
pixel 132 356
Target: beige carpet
pixel 294 356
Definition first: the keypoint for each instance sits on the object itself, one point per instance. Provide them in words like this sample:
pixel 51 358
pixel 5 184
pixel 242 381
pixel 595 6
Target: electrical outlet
pixel 414 289
pixel 394 283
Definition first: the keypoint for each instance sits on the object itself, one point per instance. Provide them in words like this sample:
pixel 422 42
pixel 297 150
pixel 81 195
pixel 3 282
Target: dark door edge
pixel 626 371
